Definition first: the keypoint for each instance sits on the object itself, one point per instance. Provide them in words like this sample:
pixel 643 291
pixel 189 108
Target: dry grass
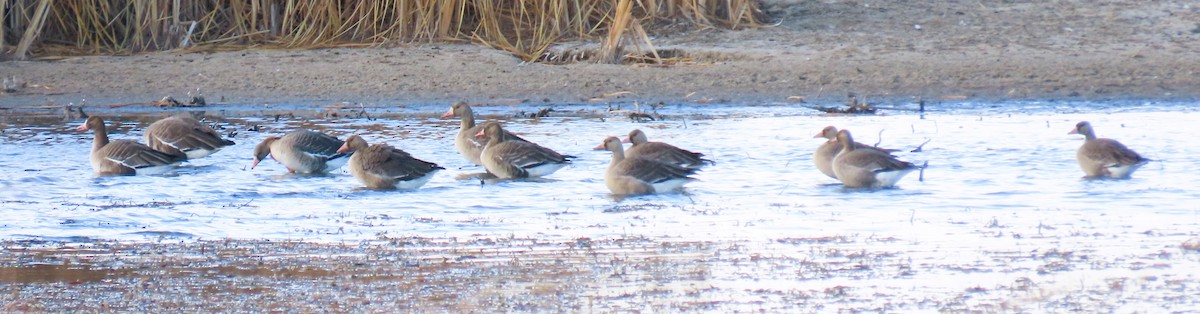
pixel 525 28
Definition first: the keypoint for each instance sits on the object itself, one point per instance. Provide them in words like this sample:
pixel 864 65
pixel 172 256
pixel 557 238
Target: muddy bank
pixel 823 274
pixel 819 51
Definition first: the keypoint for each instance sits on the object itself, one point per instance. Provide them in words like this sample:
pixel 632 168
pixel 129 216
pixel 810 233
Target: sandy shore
pixel 817 50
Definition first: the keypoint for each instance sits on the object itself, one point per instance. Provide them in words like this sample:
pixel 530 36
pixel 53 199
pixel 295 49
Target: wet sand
pixel 484 274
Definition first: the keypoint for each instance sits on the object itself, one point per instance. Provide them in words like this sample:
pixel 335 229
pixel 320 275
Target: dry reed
pixel 525 28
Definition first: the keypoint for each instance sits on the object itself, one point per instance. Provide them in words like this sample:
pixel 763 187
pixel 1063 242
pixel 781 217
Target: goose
pixel 639 175
pixel 184 136
pixel 644 148
pixel 867 168
pixel 382 166
pixel 124 157
pixel 509 159
pixel 468 145
pixel 1105 158
pixel 823 156
pixel 302 151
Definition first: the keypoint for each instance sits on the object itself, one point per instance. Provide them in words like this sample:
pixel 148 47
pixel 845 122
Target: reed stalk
pixel 525 28
pixel 34 29
pixel 3 25
pixel 611 45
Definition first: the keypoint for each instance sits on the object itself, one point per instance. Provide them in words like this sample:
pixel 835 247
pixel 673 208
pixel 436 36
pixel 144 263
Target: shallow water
pixel 1001 193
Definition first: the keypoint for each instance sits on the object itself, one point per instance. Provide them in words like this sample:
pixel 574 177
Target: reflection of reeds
pixel 525 28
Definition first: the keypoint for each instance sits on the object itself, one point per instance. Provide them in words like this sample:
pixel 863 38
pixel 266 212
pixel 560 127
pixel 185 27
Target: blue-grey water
pixel 1002 180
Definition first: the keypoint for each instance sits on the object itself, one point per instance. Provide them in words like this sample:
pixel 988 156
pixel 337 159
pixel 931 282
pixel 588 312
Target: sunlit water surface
pixel 1001 179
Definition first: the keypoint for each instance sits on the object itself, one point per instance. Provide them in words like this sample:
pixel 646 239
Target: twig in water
pixel 246 204
pixel 544 112
pixel 893 108
pixel 922 110
pixel 363 112
pixel 919 147
pixel 639 117
pixel 921 176
pixel 880 140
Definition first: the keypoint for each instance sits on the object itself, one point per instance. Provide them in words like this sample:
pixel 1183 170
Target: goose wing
pixel 652 171
pixel 316 144
pixel 386 161
pixel 1109 152
pixel 137 155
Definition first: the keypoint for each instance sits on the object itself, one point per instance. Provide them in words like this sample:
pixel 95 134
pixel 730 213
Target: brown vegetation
pixel 525 28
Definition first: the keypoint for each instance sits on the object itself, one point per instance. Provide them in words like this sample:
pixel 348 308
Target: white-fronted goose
pixel 508 159
pixel 639 175
pixel 382 166
pixel 823 156
pixel 867 168
pixel 1105 158
pixel 184 136
pixel 644 148
pixel 466 142
pixel 124 157
pixel 302 151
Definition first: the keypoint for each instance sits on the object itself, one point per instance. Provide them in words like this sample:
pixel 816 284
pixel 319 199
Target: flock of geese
pixel 645 168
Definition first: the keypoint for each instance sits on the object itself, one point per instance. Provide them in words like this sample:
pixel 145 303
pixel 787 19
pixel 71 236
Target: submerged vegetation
pixel 525 28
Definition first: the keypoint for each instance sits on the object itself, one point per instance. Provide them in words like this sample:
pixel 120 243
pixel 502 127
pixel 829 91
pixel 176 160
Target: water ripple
pixel 1008 163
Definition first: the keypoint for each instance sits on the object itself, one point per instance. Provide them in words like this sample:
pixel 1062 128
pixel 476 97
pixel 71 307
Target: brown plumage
pixel 644 148
pixel 184 136
pixel 639 175
pixel 870 168
pixel 823 156
pixel 1105 158
pixel 468 145
pixel 302 151
pixel 382 166
pixel 508 159
pixel 124 157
